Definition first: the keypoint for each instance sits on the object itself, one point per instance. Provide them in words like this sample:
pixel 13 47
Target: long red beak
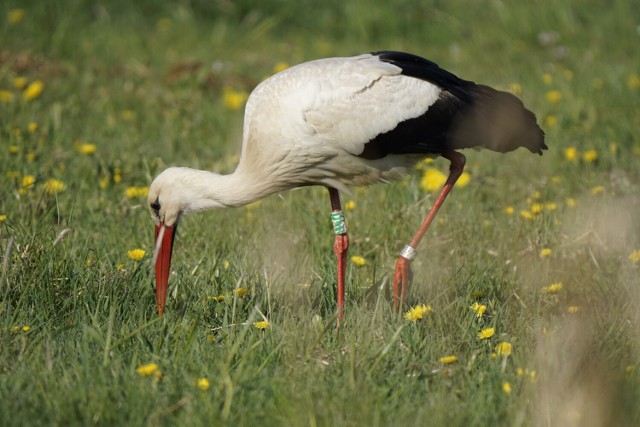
pixel 164 246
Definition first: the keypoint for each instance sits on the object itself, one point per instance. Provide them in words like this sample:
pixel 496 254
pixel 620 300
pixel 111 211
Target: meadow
pixel 525 304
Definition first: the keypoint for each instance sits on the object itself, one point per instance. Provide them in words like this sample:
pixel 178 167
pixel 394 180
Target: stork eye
pixel 156 206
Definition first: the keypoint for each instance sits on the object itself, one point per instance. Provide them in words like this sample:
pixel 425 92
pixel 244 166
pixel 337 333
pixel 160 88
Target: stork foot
pixel 401 281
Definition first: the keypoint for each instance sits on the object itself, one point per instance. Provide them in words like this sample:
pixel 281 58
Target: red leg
pixel 340 245
pixel 403 275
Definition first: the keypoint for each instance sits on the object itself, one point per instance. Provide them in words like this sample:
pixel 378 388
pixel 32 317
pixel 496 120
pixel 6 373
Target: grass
pixel 145 84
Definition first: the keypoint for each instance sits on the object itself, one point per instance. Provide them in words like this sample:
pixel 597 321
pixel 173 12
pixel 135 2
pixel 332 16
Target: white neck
pixel 207 190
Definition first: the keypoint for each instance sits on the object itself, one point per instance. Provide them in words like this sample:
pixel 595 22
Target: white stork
pixel 338 122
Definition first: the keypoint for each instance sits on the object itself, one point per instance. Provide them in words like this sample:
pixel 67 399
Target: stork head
pixel 167 198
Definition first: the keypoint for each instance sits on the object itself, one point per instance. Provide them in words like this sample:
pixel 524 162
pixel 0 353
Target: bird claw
pixel 401 281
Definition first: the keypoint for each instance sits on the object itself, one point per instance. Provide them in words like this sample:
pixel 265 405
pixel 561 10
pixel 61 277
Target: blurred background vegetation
pixel 97 97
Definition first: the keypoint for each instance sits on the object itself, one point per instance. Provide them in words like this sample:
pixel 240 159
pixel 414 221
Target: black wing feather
pixel 465 115
pixel 423 69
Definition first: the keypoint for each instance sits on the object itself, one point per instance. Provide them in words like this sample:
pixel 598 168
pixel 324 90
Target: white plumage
pixel 347 121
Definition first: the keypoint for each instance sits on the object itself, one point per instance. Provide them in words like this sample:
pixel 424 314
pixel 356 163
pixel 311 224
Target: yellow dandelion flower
pixel 3 218
pixel 571 202
pixel 233 99
pixel 570 153
pixel 104 182
pixel 240 292
pixel 598 189
pixel 26 328
pixel 117 176
pixel 15 16
pixel 226 264
pixel 553 97
pixel 506 387
pixel 515 88
pixel 31 156
pixel 53 186
pixel 6 96
pixel 84 148
pixel 590 156
pixel 33 90
pixel 20 82
pixel 504 349
pixel 526 214
pixel 350 205
pixel 547 78
pixel 135 192
pixel 358 261
pixel 553 288
pixel 14 149
pixel 131 192
pixel 32 127
pixel 486 333
pixel 545 252
pixel 147 369
pixel 432 180
pixel 633 81
pixel 509 210
pixel 550 121
pixel 536 208
pixel 280 66
pixel 27 181
pixel 218 298
pixel 567 74
pixel 417 312
pixel 464 180
pixel 264 324
pixel 478 308
pixel 634 257
pixel 447 360
pixel 136 254
pixel 572 309
pixel 203 384
pixel 550 206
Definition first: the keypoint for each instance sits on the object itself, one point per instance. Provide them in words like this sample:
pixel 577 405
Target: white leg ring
pixel 408 252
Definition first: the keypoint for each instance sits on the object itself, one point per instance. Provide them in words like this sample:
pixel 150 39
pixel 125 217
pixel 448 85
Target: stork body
pixel 339 122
